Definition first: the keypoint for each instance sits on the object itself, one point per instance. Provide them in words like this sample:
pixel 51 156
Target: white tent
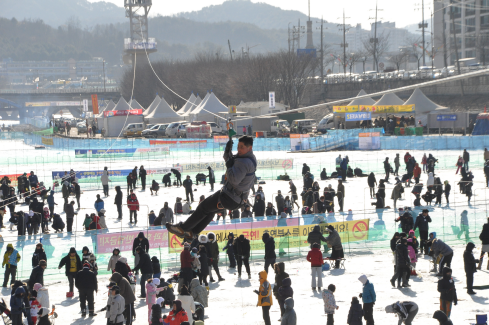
pixel 100 116
pixel 115 124
pixel 389 99
pixel 163 113
pixel 194 107
pixel 197 102
pixel 204 111
pixel 422 104
pixel 367 101
pixel 188 104
pixel 153 105
pixel 135 105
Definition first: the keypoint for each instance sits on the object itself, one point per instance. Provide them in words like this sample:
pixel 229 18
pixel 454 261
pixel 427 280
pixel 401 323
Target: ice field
pixel 233 301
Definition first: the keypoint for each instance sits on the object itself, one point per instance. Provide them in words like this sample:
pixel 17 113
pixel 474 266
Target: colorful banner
pixel 99 153
pixel 221 139
pixel 369 141
pixel 358 116
pixel 296 236
pixel 124 241
pixel 345 109
pixel 13 178
pixel 299 142
pixel 95 104
pixel 262 163
pixel 387 109
pixel 93 174
pixel 180 143
pixel 123 112
pixel 444 117
pixel 47 141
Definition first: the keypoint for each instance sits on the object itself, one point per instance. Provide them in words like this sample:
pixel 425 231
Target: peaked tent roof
pixel 361 101
pixel 188 104
pixel 196 105
pixel 153 105
pixel 164 111
pixel 389 99
pixel 198 100
pixel 211 105
pixel 110 106
pixel 122 105
pixel 422 104
pixel 135 105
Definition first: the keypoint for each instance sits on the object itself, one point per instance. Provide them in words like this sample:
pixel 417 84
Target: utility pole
pixel 322 53
pixel 299 36
pixel 297 32
pixel 375 40
pixel 422 25
pixel 230 52
pixel 444 41
pixel 452 14
pixel 344 44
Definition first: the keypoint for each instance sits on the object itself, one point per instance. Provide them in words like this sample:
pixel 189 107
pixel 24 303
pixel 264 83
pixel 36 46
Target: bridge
pixel 12 101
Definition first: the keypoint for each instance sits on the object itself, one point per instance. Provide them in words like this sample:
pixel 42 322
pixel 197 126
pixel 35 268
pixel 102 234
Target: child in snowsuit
pixel 196 266
pixel 151 292
pixel 35 305
pixel 412 256
pixel 329 303
pixel 156 312
pixel 356 312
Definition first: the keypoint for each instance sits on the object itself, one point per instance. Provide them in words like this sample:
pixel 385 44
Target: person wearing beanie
pixel 315 257
pixel 405 310
pixel 186 259
pixel 72 264
pixel 178 315
pixel 402 264
pixel 242 249
pixel 146 268
pixel 470 267
pixel 117 305
pixel 42 295
pixel 39 254
pixel 213 249
pixel 37 275
pixel 86 283
pixel 270 256
pixel 126 292
pixel 230 251
pixel 368 297
pixel 442 318
pixel 448 293
pixel 355 313
pixel 334 241
pixel 329 303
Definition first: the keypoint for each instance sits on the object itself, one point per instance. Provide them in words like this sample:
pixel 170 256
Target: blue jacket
pixel 344 164
pixel 33 179
pixel 51 199
pixel 99 205
pixel 17 302
pixel 368 294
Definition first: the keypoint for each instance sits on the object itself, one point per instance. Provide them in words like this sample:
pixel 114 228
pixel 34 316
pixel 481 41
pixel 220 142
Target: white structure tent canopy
pixel 208 110
pixel 135 105
pixel 194 107
pixel 389 99
pixel 115 124
pixel 422 104
pixel 163 113
pixel 153 105
pixel 188 104
pixel 362 101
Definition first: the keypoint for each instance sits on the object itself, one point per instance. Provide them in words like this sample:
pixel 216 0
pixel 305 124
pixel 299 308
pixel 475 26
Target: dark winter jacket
pixel 289 317
pixel 122 269
pixel 124 287
pixel 37 276
pixel 50 199
pixel 371 180
pixel 305 169
pixel 315 236
pixel 38 256
pixel 285 291
pixel 442 318
pixel 259 208
pixel 66 262
pixel 17 302
pixel 187 183
pixel 142 173
pixel 176 173
pixel 229 245
pixel 422 222
pixel 279 277
pixel 469 260
pixel 156 265
pixel 77 190
pixel 166 178
pixel 465 156
pixel 86 280
pixel 355 314
pixel 484 236
pixel 446 287
pixel 144 243
pixel 406 222
pixel 118 196
pixel 58 222
pixel 402 255
pixel 242 246
pixel 155 314
pixel 269 246
pixel 70 211
pixel 144 263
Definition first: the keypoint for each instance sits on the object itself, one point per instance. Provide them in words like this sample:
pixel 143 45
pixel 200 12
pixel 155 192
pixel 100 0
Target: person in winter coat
pixel 242 248
pixel 270 255
pixel 356 313
pixel 117 306
pixel 368 297
pixel 95 224
pixel 397 165
pixel 315 236
pixel 122 268
pixel 270 210
pixel 259 207
pixel 133 205
pixel 116 254
pixel 139 241
pixel 39 254
pixel 466 158
pixel 58 225
pixel 167 180
pixel 484 237
pixel 230 251
pixel 464 225
pixel 213 251
pixel 178 315
pixel 329 303
pixel 430 183
pixel 104 179
pixel 37 275
pixel 168 213
pixel 126 292
pixel 315 257
pixel 156 312
pixel 448 293
pixel 18 306
pixel 187 184
pixel 371 184
pixel 470 267
pixel 186 259
pixel 442 318
pixel 280 275
pixel 285 291
pixel 42 295
pixel 406 311
pixel 264 293
pixel 396 194
pixel 289 317
pixel 305 169
pixel 422 222
pixel 146 269
pixel 381 189
pixel 334 241
pixel 198 292
pixel 86 283
pixel 155 263
pixel 118 201
pixel 77 193
pixel 412 255
pixel 151 292
pixel 204 260
pixel 387 169
pixel 416 173
pixel 439 247
pixel 51 203
pixel 142 177
pixel 10 260
pixel 447 189
pixel 402 264
pixel 99 204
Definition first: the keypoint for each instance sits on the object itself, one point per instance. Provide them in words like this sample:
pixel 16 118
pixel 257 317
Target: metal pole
pixel 104 74
pixel 322 54
pixel 375 41
pixel 456 49
pixel 422 24
pixel 344 44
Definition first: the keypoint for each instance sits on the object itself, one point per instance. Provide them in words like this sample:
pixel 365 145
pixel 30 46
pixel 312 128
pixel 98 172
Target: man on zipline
pixel 240 177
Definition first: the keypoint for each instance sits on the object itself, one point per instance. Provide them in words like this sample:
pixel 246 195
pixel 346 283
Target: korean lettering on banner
pixel 12 178
pixel 445 117
pixel 95 104
pixel 345 109
pixel 56 175
pixel 271 99
pixel 124 241
pixel 221 139
pixel 123 112
pixel 47 141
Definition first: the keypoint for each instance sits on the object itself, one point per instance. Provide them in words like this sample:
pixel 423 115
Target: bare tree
pixel 378 48
pixel 397 58
pixel 352 59
pixel 363 57
pixel 414 49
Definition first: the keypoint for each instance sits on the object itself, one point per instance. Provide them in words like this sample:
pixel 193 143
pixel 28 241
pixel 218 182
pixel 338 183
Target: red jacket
pixel 416 171
pixel 406 157
pixel 132 202
pixel 178 318
pixel 185 259
pixel 315 257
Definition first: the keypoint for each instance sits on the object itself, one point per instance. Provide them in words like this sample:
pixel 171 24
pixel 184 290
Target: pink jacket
pixel 412 252
pixel 151 291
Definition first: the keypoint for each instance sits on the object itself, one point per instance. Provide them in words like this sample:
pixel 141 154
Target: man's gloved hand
pixel 229 145
pixel 230 163
pixel 360 295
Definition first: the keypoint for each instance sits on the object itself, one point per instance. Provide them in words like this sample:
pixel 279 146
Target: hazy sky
pixel 402 12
